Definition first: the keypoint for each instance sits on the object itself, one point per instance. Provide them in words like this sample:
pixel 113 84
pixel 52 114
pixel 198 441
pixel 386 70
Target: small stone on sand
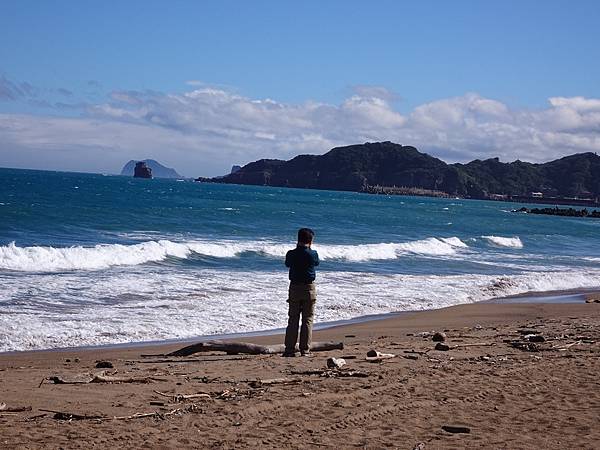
pixel 104 365
pixel 438 337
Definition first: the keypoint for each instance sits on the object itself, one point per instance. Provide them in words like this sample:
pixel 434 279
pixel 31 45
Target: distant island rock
pixel 141 170
pixel 158 170
pixel 369 167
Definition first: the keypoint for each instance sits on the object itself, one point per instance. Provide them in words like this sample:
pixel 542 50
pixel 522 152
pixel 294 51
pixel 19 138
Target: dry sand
pixel 507 397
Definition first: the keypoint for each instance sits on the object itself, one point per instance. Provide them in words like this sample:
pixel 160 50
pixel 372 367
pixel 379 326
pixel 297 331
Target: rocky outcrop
pixel 141 170
pixel 235 168
pixel 158 170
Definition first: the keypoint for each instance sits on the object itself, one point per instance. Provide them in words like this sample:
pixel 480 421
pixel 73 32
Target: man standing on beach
pixel 302 293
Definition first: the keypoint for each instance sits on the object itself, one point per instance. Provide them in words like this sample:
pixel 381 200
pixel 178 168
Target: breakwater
pixel 565 212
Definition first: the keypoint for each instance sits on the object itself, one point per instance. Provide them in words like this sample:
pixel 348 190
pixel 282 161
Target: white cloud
pixel 577 103
pixel 206 130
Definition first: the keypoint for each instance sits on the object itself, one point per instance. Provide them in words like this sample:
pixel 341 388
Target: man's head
pixel 305 236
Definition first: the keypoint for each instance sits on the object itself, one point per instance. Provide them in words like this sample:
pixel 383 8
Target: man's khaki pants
pixel 302 298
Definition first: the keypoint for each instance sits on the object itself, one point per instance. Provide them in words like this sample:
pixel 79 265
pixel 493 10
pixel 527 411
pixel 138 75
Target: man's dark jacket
pixel 302 261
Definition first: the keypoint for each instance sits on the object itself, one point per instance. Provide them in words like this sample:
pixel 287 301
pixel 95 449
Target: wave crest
pixel 103 256
pixel 510 242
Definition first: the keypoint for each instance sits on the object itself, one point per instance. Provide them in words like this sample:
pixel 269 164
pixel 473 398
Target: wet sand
pixel 506 391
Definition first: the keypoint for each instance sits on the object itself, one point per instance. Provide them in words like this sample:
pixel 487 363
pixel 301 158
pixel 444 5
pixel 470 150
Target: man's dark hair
pixel 305 235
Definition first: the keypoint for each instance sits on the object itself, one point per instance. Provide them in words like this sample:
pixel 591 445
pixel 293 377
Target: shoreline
pixel 554 296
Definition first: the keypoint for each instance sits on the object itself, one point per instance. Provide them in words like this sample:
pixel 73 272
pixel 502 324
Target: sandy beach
pixel 498 385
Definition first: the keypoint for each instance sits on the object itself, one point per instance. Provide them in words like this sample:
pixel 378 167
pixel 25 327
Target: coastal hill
pixel 158 170
pixel 358 167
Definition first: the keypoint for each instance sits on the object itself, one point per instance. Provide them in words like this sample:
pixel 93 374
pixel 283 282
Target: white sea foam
pixel 510 242
pixel 74 308
pixel 102 256
pixel 87 258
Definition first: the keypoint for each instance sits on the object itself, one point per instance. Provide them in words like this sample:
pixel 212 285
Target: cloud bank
pixel 206 130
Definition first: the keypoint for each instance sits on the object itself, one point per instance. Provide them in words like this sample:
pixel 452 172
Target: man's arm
pixel 315 258
pixel 288 261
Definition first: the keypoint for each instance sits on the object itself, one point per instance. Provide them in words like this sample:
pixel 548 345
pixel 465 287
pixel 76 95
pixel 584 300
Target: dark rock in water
pixel 442 347
pixel 142 170
pixel 104 365
pixel 438 337
pixel 235 168
pixel 456 429
pixel 158 170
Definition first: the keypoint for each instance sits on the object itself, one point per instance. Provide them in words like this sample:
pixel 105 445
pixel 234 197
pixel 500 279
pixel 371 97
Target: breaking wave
pixel 103 256
pixel 510 242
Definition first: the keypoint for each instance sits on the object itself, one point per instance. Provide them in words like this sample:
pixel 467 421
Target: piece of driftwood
pixel 181 397
pixel 110 379
pixel 272 381
pixel 59 380
pixel 37 416
pixel 233 348
pixel 455 429
pixel 102 379
pixel 375 356
pixel 566 347
pixel 14 409
pixel 64 415
pixel 351 374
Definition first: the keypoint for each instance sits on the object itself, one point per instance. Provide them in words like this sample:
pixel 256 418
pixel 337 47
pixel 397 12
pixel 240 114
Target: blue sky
pixel 75 60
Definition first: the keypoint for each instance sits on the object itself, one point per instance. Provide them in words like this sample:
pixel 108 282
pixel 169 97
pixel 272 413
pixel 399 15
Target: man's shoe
pixel 288 354
pixel 306 353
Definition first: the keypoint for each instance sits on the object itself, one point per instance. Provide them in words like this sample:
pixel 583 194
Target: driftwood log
pixel 182 397
pixel 234 348
pixel 68 416
pixel 101 379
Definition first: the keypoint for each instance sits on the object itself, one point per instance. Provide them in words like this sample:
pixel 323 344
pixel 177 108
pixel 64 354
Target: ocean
pixel 88 259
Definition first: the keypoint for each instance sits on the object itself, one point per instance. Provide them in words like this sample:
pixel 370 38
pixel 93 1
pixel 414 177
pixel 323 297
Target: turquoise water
pixel 90 259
